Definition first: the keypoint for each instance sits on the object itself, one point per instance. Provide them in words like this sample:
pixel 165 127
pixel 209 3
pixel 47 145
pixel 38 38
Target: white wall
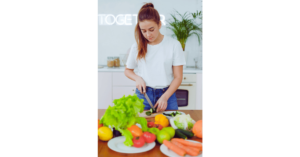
pixel 117 39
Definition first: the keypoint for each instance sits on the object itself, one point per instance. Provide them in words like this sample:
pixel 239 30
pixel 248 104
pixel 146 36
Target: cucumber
pixel 148 113
pixel 179 134
pixel 153 110
pixel 186 133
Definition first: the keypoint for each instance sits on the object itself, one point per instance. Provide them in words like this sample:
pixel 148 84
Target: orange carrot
pixel 174 148
pixel 187 149
pixel 195 149
pixel 188 143
pixel 190 147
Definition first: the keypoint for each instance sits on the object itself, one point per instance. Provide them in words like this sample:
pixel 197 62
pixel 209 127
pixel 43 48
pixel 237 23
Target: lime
pixel 163 135
pixel 170 130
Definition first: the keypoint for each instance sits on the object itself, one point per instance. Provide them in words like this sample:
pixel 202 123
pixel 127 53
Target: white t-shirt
pixel 156 69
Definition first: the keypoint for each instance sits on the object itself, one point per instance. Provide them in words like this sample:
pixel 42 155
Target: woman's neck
pixel 158 40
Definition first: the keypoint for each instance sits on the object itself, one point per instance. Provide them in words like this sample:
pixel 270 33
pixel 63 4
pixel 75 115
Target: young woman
pixel 159 61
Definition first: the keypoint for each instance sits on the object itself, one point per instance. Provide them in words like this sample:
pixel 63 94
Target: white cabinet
pixel 199 92
pixel 122 85
pixel 119 79
pixel 119 92
pixel 104 90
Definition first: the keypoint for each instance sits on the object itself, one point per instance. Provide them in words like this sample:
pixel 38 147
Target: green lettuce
pixel 124 114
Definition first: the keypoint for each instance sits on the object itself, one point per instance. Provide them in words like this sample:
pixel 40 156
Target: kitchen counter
pixel 121 69
pixel 104 150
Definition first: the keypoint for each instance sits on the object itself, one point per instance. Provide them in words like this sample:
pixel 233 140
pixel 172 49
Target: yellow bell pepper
pixel 162 120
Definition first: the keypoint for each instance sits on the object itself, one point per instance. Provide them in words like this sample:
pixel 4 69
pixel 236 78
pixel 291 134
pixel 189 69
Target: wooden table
pixel 104 151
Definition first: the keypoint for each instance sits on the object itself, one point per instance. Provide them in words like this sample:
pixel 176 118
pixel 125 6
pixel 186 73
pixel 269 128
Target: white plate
pixel 169 112
pixel 117 144
pixel 168 152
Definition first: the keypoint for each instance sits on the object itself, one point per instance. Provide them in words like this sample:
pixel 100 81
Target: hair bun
pixel 147 5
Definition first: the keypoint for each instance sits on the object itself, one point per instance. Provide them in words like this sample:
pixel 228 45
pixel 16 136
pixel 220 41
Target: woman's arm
pixel 162 102
pixel 140 83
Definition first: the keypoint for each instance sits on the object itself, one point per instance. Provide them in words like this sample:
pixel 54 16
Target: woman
pixel 159 60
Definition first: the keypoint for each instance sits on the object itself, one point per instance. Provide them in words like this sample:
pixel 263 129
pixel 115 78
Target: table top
pixel 104 151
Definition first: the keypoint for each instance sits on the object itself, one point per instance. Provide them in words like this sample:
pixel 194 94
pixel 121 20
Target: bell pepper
pixel 135 131
pixel 153 131
pixel 162 120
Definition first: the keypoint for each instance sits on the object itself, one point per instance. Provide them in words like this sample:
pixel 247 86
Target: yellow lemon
pixel 105 133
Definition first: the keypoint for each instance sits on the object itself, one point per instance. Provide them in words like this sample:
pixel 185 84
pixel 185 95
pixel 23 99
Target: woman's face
pixel 150 29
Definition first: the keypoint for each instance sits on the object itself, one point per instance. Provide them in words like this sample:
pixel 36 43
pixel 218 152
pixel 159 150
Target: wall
pixel 114 40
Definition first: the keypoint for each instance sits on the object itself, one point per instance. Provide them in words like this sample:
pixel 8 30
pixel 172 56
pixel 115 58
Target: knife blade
pixel 147 98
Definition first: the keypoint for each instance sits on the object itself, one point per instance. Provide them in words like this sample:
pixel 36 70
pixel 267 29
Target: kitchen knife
pixel 147 98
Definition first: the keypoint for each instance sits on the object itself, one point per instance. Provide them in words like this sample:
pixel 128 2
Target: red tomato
pixel 138 141
pixel 99 125
pixel 158 126
pixel 149 137
pixel 150 124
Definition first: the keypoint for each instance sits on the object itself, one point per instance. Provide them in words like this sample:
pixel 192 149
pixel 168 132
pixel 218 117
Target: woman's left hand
pixel 162 104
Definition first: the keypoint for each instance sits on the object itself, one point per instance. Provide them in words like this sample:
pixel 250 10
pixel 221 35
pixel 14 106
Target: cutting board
pixel 143 114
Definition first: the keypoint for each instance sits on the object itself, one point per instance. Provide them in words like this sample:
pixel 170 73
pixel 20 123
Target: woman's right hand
pixel 141 85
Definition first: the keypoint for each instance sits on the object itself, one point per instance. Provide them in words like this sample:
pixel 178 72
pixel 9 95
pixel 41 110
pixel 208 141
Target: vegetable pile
pixel 123 119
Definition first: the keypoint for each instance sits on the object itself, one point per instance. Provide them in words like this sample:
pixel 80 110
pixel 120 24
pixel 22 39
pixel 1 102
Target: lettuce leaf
pixel 124 114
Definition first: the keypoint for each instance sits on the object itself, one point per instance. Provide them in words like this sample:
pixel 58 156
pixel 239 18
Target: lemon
pixel 105 133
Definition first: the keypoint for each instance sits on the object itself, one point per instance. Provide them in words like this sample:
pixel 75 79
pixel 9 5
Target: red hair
pixel 147 12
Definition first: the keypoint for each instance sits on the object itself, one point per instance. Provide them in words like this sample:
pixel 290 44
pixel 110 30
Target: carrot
pixel 195 149
pixel 174 148
pixel 188 143
pixel 187 149
pixel 190 147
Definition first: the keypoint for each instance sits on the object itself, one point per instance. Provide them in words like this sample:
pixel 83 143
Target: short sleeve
pixel 131 60
pixel 178 56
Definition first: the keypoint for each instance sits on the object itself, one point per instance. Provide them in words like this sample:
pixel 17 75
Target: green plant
pixel 197 14
pixel 185 27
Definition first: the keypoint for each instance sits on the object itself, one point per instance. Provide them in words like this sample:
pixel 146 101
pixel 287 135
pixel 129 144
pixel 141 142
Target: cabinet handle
pixel 184 78
pixel 186 85
pixel 133 90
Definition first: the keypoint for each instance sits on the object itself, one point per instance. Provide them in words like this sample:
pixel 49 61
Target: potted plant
pixel 185 27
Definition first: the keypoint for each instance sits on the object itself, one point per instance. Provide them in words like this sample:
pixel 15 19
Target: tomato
pixel 138 142
pixel 135 131
pixel 99 125
pixel 150 124
pixel 158 126
pixel 149 138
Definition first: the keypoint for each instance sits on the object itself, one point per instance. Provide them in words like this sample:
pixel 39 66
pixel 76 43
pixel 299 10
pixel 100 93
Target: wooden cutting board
pixel 143 114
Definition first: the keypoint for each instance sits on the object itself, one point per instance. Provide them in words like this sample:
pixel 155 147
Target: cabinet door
pixel 199 92
pixel 119 79
pixel 119 92
pixel 104 90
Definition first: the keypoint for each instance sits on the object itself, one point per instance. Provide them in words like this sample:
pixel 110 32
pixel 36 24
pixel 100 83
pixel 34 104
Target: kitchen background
pixel 116 24
pixel 115 39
